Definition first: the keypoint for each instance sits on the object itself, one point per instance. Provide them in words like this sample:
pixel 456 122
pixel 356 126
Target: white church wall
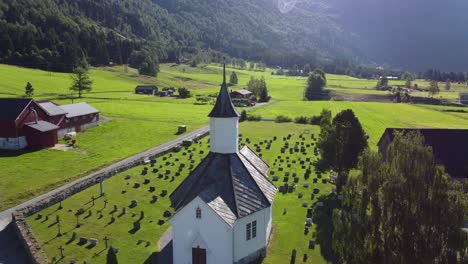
pixel 209 232
pixel 224 134
pixel 244 247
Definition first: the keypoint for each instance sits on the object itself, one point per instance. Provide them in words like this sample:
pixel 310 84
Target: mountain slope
pixel 62 33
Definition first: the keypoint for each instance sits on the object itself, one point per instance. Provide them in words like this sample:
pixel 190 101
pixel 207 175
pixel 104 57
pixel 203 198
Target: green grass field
pixel 288 229
pixel 140 122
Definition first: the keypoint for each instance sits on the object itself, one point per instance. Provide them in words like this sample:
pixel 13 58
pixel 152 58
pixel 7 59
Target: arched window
pixel 198 212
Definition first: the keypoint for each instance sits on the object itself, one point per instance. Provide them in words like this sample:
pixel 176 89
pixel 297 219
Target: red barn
pixel 22 124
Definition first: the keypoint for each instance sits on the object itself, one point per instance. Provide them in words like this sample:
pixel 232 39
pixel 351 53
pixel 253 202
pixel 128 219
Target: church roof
pixel 233 185
pixel 223 106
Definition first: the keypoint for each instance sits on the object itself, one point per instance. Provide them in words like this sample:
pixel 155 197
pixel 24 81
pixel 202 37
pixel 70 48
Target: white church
pixel 224 207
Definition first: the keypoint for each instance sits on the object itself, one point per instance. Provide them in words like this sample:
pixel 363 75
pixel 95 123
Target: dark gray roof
pixel 233 185
pixel 146 87
pixel 450 147
pixel 11 108
pixel 42 126
pixel 243 92
pixel 79 109
pixel 223 106
pixel 52 109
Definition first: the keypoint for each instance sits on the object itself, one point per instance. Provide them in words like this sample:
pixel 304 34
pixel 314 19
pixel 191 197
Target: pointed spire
pixel 224 106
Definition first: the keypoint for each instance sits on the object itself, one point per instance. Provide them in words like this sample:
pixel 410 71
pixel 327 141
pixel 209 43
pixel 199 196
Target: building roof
pixel 11 108
pixel 79 109
pixel 243 92
pixel 42 126
pixel 146 87
pixel 223 106
pixel 233 185
pixel 52 109
pixel 450 147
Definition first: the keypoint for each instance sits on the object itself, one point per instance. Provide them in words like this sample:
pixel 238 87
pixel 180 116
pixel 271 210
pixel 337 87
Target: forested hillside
pixel 60 34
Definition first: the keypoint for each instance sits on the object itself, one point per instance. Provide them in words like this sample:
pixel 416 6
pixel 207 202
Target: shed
pixel 146 89
pixel 79 117
pixel 41 134
pixel 241 94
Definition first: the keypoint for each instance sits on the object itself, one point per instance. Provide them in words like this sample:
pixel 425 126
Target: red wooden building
pixel 22 124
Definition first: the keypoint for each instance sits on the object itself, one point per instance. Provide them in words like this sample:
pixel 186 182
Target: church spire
pixel 224 106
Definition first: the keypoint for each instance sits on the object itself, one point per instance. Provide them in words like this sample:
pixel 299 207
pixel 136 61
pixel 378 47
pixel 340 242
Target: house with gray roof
pixel 224 207
pixel 79 117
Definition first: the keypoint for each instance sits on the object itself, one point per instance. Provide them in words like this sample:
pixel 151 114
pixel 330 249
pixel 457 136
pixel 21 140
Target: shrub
pixel 184 93
pixel 282 119
pixel 243 116
pixel 254 118
pixel 301 120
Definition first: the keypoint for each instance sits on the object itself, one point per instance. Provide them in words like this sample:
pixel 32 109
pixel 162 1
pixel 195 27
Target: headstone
pixel 306 230
pixel 167 213
pixel 304 258
pixel 136 225
pixel 136 185
pixel 311 244
pixel 309 212
pixel 128 177
pixel 161 222
pixel 83 240
pixel 319 204
pixel 312 196
pixel 299 195
pixel 155 199
pixel 142 215
pixel 293 257
pixel 306 185
pixel 164 193
pixel 305 204
pixel 309 221
pixel 73 236
pixel 284 211
pixel 275 178
pixel 93 242
pixel 147 181
pixel 133 203
pixel 316 190
pixel 152 188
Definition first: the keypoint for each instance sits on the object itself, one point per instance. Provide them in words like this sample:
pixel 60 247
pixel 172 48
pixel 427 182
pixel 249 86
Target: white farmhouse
pixel 224 207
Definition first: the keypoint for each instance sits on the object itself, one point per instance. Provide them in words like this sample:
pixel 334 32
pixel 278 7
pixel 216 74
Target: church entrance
pixel 198 256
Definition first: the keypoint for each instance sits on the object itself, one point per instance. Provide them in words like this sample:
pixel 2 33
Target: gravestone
pixel 304 258
pixel 284 211
pixel 93 242
pixel 299 195
pixel 136 225
pixel 83 240
pixel 167 213
pixel 306 185
pixel 124 210
pixel 293 257
pixel 311 244
pixel 161 222
pixel 133 203
pixel 275 178
pixel 146 181
pixel 73 236
pixel 309 221
pixel 142 215
pixel 152 189
pixel 136 185
pixel 128 177
pixel 306 230
pixel 164 193
pixel 309 212
pixel 312 196
pixel 155 199
pixel 290 189
pixel 316 190
pixel 285 179
pixel 319 204
pixel 296 180
pixel 305 204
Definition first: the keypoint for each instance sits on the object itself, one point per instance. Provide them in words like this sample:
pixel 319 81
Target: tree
pixel 315 84
pixel 243 116
pixel 448 85
pixel 382 83
pixel 433 88
pixel 29 90
pixel 233 79
pixel 264 97
pixel 80 81
pixel 401 210
pixel 111 256
pixel 184 92
pixel 341 143
pixel 408 84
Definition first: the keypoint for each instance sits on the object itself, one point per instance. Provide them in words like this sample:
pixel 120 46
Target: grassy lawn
pixel 288 229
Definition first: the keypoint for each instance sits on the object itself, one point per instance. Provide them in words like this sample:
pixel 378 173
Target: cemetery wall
pixel 23 229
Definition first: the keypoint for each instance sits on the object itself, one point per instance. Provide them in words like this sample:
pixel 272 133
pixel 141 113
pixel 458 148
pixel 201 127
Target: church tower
pixel 224 122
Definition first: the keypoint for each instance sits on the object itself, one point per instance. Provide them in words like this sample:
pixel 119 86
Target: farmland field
pixel 139 122
pixel 288 228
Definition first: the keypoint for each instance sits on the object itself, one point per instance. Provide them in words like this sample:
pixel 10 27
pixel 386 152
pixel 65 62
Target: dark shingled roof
pixel 233 185
pixel 450 147
pixel 10 109
pixel 42 126
pixel 224 106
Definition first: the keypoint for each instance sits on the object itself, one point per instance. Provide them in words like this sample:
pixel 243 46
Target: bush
pixel 184 93
pixel 301 120
pixel 282 119
pixel 243 116
pixel 254 118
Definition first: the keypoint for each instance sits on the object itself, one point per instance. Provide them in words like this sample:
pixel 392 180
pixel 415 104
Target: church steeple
pixel 224 122
pixel 224 106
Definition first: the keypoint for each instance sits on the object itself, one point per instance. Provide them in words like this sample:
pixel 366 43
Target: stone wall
pixel 24 231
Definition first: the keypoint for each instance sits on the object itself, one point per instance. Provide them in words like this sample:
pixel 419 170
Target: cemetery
pixel 134 212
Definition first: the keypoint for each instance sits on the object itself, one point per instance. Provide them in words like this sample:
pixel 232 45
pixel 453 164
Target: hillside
pixel 59 34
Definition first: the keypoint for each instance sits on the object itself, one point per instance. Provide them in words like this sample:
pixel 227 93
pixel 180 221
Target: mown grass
pixel 287 232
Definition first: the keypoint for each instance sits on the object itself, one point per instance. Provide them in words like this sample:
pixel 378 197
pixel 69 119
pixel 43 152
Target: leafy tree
pixel 433 88
pixel 111 256
pixel 341 143
pixel 258 88
pixel 315 84
pixel 401 210
pixel 29 90
pixel 382 83
pixel 233 78
pixel 243 116
pixel 80 81
pixel 184 92
pixel 448 85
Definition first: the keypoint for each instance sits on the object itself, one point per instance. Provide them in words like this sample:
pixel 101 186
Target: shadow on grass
pixel 324 226
pixel 162 257
pixel 16 153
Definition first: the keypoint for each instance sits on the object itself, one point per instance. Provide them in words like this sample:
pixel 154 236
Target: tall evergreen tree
pixel 433 88
pixel 233 78
pixel 81 81
pixel 29 90
pixel 264 97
